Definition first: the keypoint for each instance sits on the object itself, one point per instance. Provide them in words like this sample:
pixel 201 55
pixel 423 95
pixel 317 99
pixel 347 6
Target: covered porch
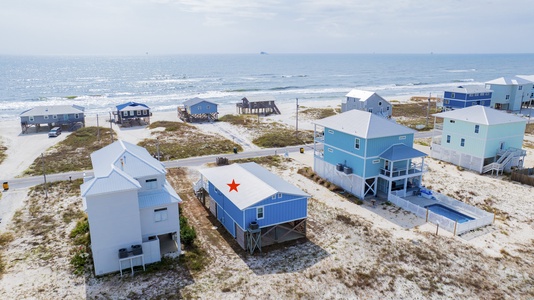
pixel 402 170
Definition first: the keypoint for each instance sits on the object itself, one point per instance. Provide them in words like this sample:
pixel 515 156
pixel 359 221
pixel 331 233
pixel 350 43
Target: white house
pixel 132 209
pixel 479 138
pixel 366 101
pixel 510 93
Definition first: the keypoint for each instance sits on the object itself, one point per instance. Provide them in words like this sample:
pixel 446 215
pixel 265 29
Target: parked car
pixel 54 132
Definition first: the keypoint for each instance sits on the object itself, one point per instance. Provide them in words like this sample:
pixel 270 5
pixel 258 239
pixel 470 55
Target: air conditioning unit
pixel 347 170
pixel 339 167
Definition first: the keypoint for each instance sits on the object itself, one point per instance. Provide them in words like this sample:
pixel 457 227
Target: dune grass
pixel 181 140
pixel 73 153
pixel 3 150
pixel 282 137
pixel 319 113
pixel 413 114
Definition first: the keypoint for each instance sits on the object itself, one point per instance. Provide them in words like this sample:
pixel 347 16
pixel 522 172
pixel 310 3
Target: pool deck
pixel 420 201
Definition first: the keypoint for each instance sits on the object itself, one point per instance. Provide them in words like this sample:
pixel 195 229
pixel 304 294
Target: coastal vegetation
pixel 413 114
pixel 73 153
pixel 316 113
pixel 181 140
pixel 3 150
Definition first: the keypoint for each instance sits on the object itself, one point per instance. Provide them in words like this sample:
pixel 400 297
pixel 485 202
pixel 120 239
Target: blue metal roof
pixel 197 100
pixel 122 106
pixel 401 152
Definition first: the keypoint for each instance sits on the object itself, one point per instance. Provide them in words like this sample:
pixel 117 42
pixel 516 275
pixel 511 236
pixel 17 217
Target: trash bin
pixel 301 150
pixel 5 186
pixel 235 150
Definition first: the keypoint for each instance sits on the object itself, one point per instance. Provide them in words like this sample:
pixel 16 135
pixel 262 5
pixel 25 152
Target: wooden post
pixel 437 229
pixel 455 224
pixel 427 214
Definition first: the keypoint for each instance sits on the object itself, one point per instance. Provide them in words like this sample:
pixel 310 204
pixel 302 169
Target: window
pixel 330 131
pixel 199 107
pixel 357 144
pixel 151 183
pixel 54 117
pixel 76 116
pixel 160 214
pixel 370 110
pixel 477 127
pixel 207 107
pixel 520 87
pixel 402 137
pixel 46 117
pixel 145 112
pixel 448 139
pixel 462 142
pixel 31 118
pixel 273 197
pixel 279 195
pixel 387 108
pixel 452 121
pixel 259 213
pixel 138 112
pixel 376 161
pixel 446 101
pixel 132 113
pixel 379 103
pixel 507 97
pixel 452 95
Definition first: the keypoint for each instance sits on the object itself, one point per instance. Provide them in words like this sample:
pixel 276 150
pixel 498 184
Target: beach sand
pixel 510 238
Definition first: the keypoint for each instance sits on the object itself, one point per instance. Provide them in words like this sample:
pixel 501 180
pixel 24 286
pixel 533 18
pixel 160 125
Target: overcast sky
pixel 135 27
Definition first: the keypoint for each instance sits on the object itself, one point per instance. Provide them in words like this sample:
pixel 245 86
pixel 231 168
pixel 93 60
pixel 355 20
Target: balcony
pixel 401 172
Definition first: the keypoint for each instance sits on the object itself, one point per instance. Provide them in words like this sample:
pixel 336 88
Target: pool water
pixel 449 213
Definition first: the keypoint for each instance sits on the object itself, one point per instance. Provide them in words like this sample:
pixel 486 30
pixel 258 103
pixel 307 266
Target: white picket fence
pixel 481 217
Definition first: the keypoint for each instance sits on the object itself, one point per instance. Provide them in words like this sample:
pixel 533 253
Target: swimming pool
pixel 449 213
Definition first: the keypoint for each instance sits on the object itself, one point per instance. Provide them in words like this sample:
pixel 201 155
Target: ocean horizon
pixel 99 83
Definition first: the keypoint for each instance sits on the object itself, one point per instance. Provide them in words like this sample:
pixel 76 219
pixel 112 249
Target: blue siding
pixel 338 156
pixel 226 220
pixel 276 213
pixel 344 141
pixel 202 108
pixel 377 146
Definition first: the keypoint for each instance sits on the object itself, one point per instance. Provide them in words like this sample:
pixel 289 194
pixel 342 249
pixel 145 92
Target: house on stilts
pixel 71 116
pixel 257 105
pixel 198 110
pixel 132 209
pixel 256 207
pixel 132 114
pixel 479 138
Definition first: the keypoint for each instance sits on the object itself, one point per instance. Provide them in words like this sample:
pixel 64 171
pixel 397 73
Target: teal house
pixel 479 138
pixel 510 93
pixel 366 154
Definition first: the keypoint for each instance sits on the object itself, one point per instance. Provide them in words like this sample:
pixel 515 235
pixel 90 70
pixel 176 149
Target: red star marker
pixel 233 186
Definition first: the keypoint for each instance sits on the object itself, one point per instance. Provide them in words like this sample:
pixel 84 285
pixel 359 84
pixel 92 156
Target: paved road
pixel 25 182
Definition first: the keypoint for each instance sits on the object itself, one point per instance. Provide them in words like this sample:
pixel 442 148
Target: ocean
pixel 163 82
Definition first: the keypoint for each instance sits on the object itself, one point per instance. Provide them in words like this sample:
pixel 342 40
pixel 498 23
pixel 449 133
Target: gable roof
pixel 360 94
pixel 363 124
pixel 255 183
pixel 197 100
pixel 527 77
pixel 160 197
pixel 53 110
pixel 132 106
pixel 132 159
pixel 509 80
pixel 115 180
pixel 401 152
pixel 479 114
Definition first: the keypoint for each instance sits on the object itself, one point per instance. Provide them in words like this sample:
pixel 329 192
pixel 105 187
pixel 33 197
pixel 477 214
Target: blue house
pixel 132 111
pixel 367 101
pixel 54 115
pixel 464 96
pixel 248 199
pixel 510 93
pixel 366 154
pixel 198 109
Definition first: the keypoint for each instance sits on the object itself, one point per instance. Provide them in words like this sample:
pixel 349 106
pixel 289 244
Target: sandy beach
pixel 505 247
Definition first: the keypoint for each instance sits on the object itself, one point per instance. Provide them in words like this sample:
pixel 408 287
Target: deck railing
pixel 397 172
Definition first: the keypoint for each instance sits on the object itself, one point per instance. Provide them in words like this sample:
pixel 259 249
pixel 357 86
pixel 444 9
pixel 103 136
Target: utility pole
pixel 297 120
pixel 428 109
pixel 157 147
pixel 110 127
pixel 97 129
pixel 44 175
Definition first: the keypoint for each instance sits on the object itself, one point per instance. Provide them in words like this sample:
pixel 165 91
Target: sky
pixel 138 27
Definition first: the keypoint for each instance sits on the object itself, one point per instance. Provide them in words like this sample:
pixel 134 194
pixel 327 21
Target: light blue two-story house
pixel 198 109
pixel 510 93
pixel 479 138
pixel 366 154
pixel 254 205
pixel 464 96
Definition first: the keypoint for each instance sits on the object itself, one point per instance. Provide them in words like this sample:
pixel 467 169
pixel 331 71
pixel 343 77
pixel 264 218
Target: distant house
pixel 464 96
pixel 198 109
pixel 479 138
pixel 54 115
pixel 510 93
pixel 257 105
pixel 366 154
pixel 132 209
pixel 132 111
pixel 257 207
pixel 531 94
pixel 367 101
